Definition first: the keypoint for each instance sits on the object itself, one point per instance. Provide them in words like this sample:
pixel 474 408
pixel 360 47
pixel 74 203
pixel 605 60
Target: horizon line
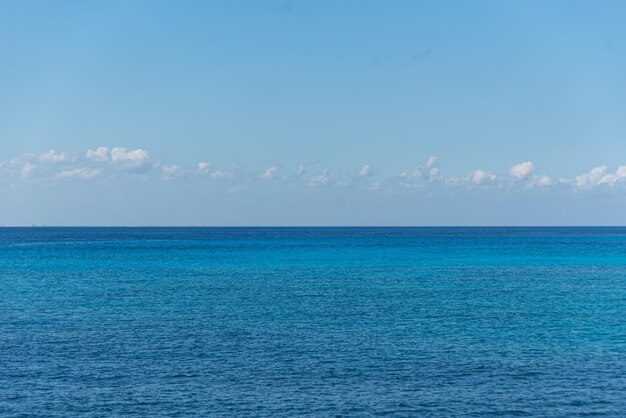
pixel 34 226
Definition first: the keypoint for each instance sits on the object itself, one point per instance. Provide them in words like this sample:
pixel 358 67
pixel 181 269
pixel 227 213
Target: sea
pixel 324 322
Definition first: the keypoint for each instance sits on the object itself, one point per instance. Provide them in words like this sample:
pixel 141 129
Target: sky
pixel 313 112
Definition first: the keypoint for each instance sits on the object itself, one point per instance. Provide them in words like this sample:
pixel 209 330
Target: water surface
pixel 313 321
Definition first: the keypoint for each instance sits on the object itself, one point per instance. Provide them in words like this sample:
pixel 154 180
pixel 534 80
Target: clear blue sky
pixel 313 112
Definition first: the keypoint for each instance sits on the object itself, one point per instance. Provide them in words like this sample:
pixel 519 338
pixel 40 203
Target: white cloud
pixel 203 166
pixel 592 178
pixel 320 180
pixel 365 171
pixel 41 166
pixel 220 174
pixel 27 170
pixel 22 166
pixel 169 171
pixel 132 159
pixel 270 173
pixel 522 170
pixel 481 176
pixel 454 181
pixel 100 154
pixel 421 174
pixel 541 181
pixel 232 173
pixel 52 157
pixel 83 173
pixel 620 175
pixel 600 176
pixel 116 162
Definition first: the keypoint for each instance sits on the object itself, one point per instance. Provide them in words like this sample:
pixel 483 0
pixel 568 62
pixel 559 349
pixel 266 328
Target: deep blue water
pixel 313 321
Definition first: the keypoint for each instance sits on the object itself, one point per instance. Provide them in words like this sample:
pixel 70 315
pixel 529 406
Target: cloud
pixel 220 174
pixel 203 166
pixel 83 173
pixel 269 173
pixel 365 171
pixel 600 176
pixel 226 174
pixel 52 157
pixel 421 174
pixel 27 170
pixel 94 163
pixel 320 180
pixel 19 167
pixel 541 181
pixel 100 154
pixel 522 170
pixel 117 162
pixel 481 176
pixel 170 171
pixel 131 159
pixel 592 178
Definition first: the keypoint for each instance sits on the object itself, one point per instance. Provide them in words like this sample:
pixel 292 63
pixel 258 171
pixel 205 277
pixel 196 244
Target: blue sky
pixel 313 113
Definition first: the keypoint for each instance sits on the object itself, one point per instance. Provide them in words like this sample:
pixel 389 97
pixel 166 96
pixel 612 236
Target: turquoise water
pixel 313 321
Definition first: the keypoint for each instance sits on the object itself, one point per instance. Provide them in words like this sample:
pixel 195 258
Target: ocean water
pixel 313 321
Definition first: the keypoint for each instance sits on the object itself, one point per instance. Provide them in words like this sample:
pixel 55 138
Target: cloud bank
pixel 105 164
